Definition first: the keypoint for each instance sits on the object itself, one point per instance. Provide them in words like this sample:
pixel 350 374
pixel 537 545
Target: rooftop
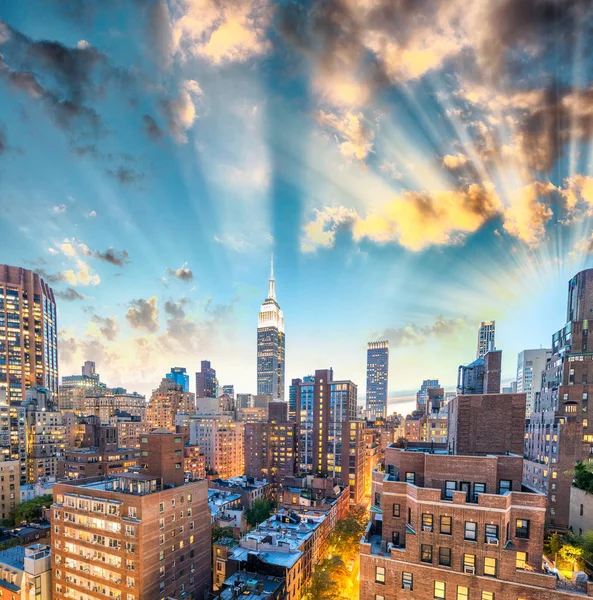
pixel 251 585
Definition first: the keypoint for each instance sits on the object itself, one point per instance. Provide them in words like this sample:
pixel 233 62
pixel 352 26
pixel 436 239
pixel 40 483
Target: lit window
pixel 490 566
pixel 379 574
pixel 521 560
pixel 439 589
pixel 462 592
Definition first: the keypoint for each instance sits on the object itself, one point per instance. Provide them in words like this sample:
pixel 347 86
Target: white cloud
pixel 58 209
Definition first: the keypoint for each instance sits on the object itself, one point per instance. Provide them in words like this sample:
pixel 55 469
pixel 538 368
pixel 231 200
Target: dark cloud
pixel 107 326
pixel 151 128
pixel 3 140
pixel 175 310
pixel 69 295
pixel 49 277
pixel 125 175
pixel 144 314
pixel 184 273
pixel 413 334
pixel 119 258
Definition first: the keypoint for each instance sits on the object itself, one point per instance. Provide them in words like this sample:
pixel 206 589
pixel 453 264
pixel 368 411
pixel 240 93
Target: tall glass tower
pixel 270 344
pixel 377 380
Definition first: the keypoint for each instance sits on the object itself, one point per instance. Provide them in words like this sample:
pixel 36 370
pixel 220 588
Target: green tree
pixel 583 477
pixel 31 509
pixel 347 532
pixel 552 545
pixel 328 579
pixel 260 511
pixel 219 533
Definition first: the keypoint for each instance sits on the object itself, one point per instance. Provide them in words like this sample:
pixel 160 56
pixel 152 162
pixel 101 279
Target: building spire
pixel 272 283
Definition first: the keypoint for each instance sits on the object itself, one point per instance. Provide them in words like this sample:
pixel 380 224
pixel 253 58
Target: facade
pixel 271 450
pixel 135 536
pixel 455 527
pixel 166 401
pixel 530 366
pixel 486 342
pixel 206 382
pixel 10 487
pixel 180 377
pixel 422 394
pixel 492 371
pixel 331 439
pixel 26 573
pixel 431 429
pixel 194 462
pixel 271 345
pixel 292 395
pixel 13 433
pixel 129 429
pixel 106 402
pixel 377 380
pixel 558 432
pixel 28 333
pixel 74 388
pixel 581 511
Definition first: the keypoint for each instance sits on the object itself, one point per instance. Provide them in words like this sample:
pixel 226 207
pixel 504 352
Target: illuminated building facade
pixel 377 380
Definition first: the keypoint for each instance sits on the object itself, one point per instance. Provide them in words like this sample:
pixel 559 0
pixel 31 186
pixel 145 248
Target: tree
pixel 347 532
pixel 260 511
pixel 31 509
pixel 583 477
pixel 219 533
pixel 328 580
pixel 553 545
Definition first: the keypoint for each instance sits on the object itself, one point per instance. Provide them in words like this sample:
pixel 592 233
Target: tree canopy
pixel 260 511
pixel 219 533
pixel 583 477
pixel 30 510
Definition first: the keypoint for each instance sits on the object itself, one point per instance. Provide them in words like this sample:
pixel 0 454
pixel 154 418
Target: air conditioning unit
pixel 407 586
pixel 492 540
pixel 470 570
pixel 427 528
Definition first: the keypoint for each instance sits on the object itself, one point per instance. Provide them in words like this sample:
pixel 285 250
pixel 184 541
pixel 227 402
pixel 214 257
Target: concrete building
pixel 581 511
pixel 74 388
pixel 28 333
pixel 166 401
pixel 13 433
pixel 26 573
pixel 455 527
pixel 194 462
pixel 558 432
pixel 206 382
pixel 271 344
pixel 331 439
pixel 377 389
pixel 530 366
pixel 130 429
pixel 106 402
pixel 251 415
pixel 486 335
pixel 134 536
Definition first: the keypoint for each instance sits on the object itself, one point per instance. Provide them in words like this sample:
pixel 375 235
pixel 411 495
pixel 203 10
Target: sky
pixel 415 167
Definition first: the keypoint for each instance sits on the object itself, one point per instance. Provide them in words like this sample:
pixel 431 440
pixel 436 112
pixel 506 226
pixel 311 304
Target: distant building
pixel 470 378
pixel 180 377
pixel 492 371
pixel 206 382
pixel 292 398
pixel 271 345
pixel 377 380
pixel 486 342
pixel 422 394
pixel 10 487
pixel 530 366
pixel 229 390
pixel 29 335
pixel 105 402
pixel 74 388
pixel 129 429
pixel 166 401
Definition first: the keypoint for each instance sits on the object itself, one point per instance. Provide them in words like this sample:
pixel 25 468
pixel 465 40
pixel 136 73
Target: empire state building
pixel 270 344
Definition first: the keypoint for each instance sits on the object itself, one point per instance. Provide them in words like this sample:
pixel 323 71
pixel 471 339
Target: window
pixel 411 478
pixel 504 486
pixel 471 531
pixel 426 553
pixel 396 510
pixel 490 566
pixel 487 595
pixel 407 581
pixel 444 556
pixel 379 597
pixel 469 563
pixel 409 516
pixel 427 522
pixel 521 560
pixel 522 529
pixel 439 589
pixel 462 592
pixel 479 488
pixel 162 507
pixel 491 532
pixel 446 525
pixel 377 499
pixel 379 574
pixel 450 487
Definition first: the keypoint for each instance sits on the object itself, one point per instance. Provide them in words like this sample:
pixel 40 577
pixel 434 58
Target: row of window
pixel 439 588
pixel 468 563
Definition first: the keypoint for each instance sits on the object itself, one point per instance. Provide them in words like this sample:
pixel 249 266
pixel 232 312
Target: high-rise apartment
pixel 28 333
pixel 485 338
pixel 558 430
pixel 134 536
pixel 377 380
pixel 206 382
pixel 180 377
pixel 166 401
pixel 270 345
pixel 530 366
pixel 74 388
pixel 331 438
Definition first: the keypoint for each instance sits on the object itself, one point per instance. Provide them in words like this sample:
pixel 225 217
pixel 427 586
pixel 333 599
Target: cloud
pixel 119 258
pixel 390 169
pixel 144 314
pixel 107 327
pixel 92 214
pixel 69 295
pixel 221 32
pixel 75 248
pixel 455 161
pixel 151 128
pixel 577 191
pixel 412 334
pixel 81 274
pixel 184 273
pixel 181 112
pixel 353 136
pixel 58 209
pixel 125 175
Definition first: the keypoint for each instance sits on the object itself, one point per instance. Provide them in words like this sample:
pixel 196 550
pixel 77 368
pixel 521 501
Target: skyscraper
pixel 28 333
pixel 377 380
pixel 485 338
pixel 422 394
pixel 270 344
pixel 180 377
pixel 530 366
pixel 206 382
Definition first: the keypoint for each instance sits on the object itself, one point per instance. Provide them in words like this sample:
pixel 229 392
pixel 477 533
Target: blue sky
pixel 415 168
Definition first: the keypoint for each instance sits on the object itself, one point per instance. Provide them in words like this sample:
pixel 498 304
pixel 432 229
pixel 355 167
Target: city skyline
pixel 184 163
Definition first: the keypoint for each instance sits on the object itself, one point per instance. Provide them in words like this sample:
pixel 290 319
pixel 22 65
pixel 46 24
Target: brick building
pixel 455 527
pixel 166 401
pixel 135 536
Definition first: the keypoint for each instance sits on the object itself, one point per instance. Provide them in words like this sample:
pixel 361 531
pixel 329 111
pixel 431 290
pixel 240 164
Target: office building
pixel 485 338
pixel 134 536
pixel 271 345
pixel 331 438
pixel 422 394
pixel 28 333
pixel 166 401
pixel 180 377
pixel 377 380
pixel 558 432
pixel 26 573
pixel 74 388
pixel 229 390
pixel 292 396
pixel 530 366
pixel 206 382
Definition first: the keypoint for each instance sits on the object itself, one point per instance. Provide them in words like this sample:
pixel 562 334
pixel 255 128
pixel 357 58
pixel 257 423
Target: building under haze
pixel 530 366
pixel 377 380
pixel 485 338
pixel 270 345
pixel 180 377
pixel 28 333
pixel 206 382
